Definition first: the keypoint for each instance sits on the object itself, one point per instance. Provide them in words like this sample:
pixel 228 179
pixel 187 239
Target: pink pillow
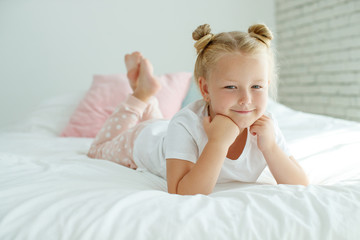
pixel 107 91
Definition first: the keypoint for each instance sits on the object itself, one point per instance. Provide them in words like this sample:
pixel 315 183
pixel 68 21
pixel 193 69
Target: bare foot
pixel 147 85
pixel 132 63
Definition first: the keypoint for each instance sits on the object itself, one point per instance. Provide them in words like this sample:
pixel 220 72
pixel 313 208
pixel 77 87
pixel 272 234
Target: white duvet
pixel 49 189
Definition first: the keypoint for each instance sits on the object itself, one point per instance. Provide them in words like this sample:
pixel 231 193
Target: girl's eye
pixel 230 87
pixel 256 86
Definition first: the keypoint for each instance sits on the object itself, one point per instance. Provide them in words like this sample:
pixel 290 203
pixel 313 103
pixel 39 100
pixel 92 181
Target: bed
pixel 50 189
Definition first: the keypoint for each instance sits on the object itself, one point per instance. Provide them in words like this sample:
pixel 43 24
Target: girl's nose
pixel 244 98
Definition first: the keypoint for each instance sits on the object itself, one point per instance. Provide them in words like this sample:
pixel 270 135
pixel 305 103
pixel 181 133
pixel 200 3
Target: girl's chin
pixel 245 124
pixel 243 121
pixel 246 121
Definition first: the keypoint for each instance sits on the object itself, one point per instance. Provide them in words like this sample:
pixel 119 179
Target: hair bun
pixel 261 32
pixel 203 36
pixel 201 31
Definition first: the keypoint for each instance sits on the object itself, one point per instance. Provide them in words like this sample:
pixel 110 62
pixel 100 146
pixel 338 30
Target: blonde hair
pixel 210 47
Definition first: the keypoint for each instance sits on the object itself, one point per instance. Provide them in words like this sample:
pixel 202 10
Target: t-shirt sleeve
pixel 280 139
pixel 181 140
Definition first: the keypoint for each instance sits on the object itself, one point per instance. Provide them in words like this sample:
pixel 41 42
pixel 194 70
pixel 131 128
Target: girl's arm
pixel 187 178
pixel 285 169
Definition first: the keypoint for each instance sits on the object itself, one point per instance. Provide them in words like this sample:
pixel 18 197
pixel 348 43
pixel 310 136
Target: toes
pixel 133 58
pixel 137 55
pixel 126 58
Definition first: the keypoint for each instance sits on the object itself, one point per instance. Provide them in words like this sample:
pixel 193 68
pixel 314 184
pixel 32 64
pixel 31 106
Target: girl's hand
pixel 263 128
pixel 221 129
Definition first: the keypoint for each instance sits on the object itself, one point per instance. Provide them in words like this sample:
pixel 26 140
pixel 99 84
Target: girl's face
pixel 237 87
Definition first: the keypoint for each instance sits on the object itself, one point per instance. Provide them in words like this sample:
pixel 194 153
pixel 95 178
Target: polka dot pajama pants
pixel 115 141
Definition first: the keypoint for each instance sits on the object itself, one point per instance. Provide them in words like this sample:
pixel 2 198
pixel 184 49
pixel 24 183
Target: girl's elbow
pixel 304 182
pixel 191 192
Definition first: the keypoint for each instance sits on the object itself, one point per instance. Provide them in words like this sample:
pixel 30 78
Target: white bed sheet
pixel 49 189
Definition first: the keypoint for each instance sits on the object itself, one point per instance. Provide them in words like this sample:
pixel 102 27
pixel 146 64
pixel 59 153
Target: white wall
pixel 50 47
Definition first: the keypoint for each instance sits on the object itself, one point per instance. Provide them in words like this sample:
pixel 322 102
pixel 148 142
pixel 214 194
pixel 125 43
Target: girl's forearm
pixel 285 169
pixel 203 176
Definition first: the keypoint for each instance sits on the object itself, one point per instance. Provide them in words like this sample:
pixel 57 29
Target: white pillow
pixel 51 116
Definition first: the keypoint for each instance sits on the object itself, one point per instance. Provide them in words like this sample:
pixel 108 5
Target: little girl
pixel 226 136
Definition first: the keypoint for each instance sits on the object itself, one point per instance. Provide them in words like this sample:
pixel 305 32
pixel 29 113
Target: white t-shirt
pixel 184 138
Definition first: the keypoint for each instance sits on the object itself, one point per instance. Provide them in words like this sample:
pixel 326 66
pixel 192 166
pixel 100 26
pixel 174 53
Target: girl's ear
pixel 204 89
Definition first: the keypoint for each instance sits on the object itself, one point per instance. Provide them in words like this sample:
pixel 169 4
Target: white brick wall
pixel 318 44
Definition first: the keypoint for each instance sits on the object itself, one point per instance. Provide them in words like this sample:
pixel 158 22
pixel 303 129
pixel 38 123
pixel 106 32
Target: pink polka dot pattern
pixel 115 141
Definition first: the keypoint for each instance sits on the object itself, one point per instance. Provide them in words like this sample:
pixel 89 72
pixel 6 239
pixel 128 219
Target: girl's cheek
pixel 261 100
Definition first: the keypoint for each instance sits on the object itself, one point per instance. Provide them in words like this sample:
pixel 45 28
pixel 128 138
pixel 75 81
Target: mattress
pixel 50 189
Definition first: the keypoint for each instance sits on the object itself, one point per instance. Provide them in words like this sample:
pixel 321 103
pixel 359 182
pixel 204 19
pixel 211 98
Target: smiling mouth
pixel 243 112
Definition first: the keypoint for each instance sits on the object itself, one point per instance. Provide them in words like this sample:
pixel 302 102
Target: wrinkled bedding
pixel 50 189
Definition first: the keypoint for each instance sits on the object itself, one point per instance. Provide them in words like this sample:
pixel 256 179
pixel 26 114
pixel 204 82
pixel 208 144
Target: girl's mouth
pixel 243 111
